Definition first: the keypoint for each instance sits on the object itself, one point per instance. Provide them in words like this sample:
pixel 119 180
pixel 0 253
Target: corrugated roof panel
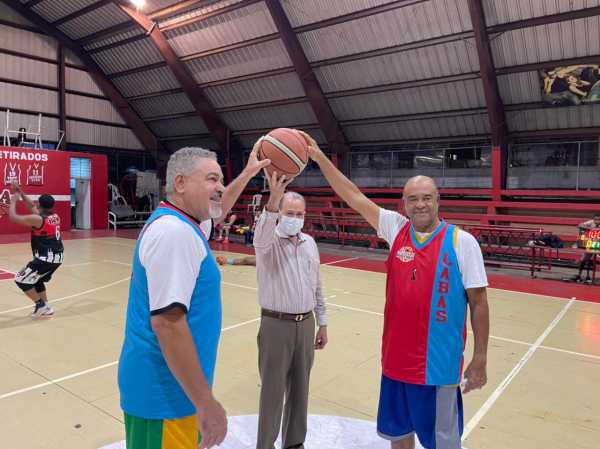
pixel 51 10
pixel 78 106
pixel 99 19
pixel 28 98
pixel 206 143
pixel 146 82
pixel 440 97
pixel 129 56
pixel 524 87
pixel 236 26
pixel 163 105
pixel 80 81
pixel 413 23
pixel 184 126
pixel 451 58
pixel 273 88
pixel 569 39
pixel 102 135
pixel 554 118
pixel 192 12
pixel 29 70
pixel 10 15
pixel 154 5
pixel 504 11
pixel 273 117
pixel 461 125
pixel 242 61
pixel 30 122
pixel 310 11
pixel 114 38
pixel 27 42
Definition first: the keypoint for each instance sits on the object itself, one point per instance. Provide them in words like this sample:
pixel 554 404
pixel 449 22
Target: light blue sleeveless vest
pixel 148 388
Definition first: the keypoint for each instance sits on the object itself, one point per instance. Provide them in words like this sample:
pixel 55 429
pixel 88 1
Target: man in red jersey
pixel 46 246
pixel 434 271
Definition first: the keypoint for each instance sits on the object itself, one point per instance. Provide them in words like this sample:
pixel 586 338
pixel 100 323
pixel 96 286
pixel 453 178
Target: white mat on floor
pixel 330 432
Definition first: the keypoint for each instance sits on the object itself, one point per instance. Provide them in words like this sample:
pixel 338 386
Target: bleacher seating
pixel 522 214
pixel 121 213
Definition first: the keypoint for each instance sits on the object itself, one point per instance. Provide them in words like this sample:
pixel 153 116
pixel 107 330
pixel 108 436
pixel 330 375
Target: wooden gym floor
pixel 58 388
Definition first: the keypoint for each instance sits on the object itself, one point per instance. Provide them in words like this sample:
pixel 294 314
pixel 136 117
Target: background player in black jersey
pixel 46 246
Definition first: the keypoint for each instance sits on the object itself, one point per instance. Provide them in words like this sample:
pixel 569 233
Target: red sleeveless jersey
pixel 425 311
pixel 46 243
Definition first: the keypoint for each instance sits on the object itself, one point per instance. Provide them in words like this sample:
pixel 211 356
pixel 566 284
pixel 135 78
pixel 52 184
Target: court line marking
pixel 117 262
pixel 469 427
pixel 371 312
pixel 566 351
pixel 77 264
pixel 369 271
pixel 64 298
pixel 96 368
pixel 328 263
pixel 487 405
pixel 494 337
pixel 340 261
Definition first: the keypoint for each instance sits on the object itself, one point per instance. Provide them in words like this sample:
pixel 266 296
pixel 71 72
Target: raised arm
pixel 30 204
pixel 34 220
pixel 237 186
pixel 264 232
pixel 344 188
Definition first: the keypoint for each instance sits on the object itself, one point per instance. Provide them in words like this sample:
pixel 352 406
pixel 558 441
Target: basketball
pixel 287 150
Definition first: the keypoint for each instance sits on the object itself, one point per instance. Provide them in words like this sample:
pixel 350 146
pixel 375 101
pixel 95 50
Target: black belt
pixel 286 316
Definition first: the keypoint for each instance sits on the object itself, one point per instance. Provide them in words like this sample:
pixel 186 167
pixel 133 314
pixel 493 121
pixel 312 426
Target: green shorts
pixel 180 433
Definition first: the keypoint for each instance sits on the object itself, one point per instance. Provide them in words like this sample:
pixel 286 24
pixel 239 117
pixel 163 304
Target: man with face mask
pixel 290 296
pixel 434 271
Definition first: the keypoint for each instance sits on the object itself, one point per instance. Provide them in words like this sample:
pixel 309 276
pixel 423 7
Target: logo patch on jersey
pixel 406 254
pixel 35 175
pixel 12 173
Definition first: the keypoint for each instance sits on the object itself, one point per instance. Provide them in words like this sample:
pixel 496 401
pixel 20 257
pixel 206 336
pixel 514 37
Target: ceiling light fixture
pixel 139 4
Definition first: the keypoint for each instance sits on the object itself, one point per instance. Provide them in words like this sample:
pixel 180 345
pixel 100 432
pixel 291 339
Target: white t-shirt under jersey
pixel 171 252
pixel 468 252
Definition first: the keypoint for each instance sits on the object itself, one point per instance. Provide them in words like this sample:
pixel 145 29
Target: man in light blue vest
pixel 174 311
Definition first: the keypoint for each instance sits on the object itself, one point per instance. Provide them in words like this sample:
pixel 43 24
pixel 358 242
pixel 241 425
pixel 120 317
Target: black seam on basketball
pixel 280 170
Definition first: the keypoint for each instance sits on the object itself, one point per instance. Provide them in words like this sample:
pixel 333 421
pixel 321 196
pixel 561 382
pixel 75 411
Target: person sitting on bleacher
pixel 586 257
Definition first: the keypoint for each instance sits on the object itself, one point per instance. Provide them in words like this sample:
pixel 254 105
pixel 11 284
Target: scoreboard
pixel 589 239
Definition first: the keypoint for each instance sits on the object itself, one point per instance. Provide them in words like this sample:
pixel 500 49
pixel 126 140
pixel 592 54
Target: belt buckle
pixel 298 317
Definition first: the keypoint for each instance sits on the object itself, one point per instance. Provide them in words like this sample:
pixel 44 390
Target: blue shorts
pixel 434 413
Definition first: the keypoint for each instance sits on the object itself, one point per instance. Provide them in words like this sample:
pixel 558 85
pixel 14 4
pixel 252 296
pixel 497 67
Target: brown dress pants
pixel 285 357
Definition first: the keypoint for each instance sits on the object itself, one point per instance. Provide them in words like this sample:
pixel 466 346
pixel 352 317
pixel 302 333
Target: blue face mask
pixel 290 226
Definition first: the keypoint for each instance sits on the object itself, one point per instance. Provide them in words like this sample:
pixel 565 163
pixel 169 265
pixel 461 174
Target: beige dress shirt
pixel 288 270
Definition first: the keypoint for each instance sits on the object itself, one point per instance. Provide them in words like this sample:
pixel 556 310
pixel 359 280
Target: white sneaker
pixel 42 311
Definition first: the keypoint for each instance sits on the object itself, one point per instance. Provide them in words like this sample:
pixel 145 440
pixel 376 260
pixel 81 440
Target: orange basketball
pixel 287 149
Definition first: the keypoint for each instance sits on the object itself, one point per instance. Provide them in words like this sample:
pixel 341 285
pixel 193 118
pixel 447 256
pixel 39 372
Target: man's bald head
pixel 420 180
pixel 421 202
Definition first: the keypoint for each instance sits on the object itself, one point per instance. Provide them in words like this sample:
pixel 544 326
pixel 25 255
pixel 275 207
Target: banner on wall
pixel 41 171
pixel 29 168
pixel 571 85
